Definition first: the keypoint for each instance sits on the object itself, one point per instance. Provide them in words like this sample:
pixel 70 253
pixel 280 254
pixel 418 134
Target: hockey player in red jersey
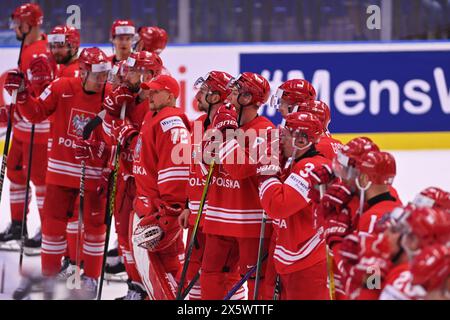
pixel 212 91
pixel 71 103
pixel 26 22
pixel 138 68
pixel 291 94
pixel 396 227
pixel 299 253
pixel 327 145
pixel 122 35
pixel 161 172
pixel 152 39
pixel 299 95
pixel 233 218
pixel 431 270
pixel 373 174
pixel 64 42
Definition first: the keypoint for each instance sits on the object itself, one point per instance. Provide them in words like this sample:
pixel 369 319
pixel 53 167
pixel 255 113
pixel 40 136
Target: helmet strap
pixel 362 192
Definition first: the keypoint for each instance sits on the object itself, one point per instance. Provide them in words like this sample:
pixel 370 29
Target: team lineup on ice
pixel 128 197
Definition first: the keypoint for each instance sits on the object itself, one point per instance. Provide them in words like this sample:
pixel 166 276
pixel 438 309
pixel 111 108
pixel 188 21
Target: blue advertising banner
pixel 368 92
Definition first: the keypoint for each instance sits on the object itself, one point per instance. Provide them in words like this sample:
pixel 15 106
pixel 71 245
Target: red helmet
pixel 429 225
pixel 253 83
pixel 65 35
pixel 217 82
pixel 304 123
pixel 122 27
pixel 379 166
pixel 30 13
pixel 433 197
pixel 318 108
pixel 294 92
pixel 144 61
pixel 94 60
pixel 356 148
pixel 154 39
pixel 431 267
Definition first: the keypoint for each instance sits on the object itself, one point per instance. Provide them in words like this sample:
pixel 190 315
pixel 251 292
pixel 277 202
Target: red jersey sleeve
pixel 37 110
pixel 283 199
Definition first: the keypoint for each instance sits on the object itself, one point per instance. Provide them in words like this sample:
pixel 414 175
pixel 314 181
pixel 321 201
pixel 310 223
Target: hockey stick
pixel 7 141
pixel 277 289
pixel 260 254
pixel 80 226
pixel 2 286
pixel 87 130
pixel 190 285
pixel 9 126
pixel 110 211
pixel 194 231
pixel 241 282
pixel 27 196
pixel 330 262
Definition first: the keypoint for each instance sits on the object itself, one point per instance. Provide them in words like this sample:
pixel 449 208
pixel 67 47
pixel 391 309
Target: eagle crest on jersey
pixel 79 119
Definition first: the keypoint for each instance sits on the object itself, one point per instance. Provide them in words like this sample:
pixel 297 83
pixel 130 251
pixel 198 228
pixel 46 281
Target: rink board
pixel 397 93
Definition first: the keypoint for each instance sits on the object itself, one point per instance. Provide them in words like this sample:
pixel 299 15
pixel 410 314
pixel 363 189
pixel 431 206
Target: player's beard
pixel 62 59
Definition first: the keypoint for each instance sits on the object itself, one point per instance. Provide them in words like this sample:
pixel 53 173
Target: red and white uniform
pixel 194 193
pixel 299 252
pixel 71 70
pixel 126 187
pixel 328 146
pixel 20 144
pixel 72 109
pixel 233 217
pixel 398 285
pixel 376 208
pixel 158 175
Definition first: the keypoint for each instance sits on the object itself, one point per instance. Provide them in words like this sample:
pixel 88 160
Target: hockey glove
pixel 158 230
pixel 116 99
pixel 15 80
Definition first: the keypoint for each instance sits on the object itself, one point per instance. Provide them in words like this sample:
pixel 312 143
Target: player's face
pixel 200 96
pixel 284 109
pixel 286 142
pixel 159 99
pixel 95 81
pixel 411 243
pixel 21 28
pixel 62 53
pixel 134 78
pixel 122 43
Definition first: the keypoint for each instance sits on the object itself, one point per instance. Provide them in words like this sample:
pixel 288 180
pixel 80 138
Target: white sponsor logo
pixel 67 95
pixel 45 93
pixel 172 122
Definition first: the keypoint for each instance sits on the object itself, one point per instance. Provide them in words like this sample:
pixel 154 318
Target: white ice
pixel 416 170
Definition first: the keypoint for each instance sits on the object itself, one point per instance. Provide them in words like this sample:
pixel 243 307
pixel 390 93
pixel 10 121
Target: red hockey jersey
pixel 72 70
pixel 22 128
pixel 134 114
pixel 161 159
pixel 72 109
pixel 197 172
pixel 234 208
pixel 328 147
pixel 298 244
pixel 377 207
pixel 398 285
